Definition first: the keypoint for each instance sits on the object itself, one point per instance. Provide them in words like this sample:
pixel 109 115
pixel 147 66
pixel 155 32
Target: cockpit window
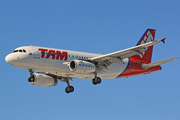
pixel 24 51
pixel 15 51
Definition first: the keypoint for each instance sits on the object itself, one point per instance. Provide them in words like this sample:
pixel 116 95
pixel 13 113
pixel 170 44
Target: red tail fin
pixel 148 36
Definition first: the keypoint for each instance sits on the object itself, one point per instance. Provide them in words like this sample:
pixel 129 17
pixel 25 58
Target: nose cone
pixel 8 59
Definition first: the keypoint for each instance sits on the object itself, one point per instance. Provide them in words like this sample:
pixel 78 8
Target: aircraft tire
pixel 31 78
pixel 94 81
pixel 98 80
pixel 69 89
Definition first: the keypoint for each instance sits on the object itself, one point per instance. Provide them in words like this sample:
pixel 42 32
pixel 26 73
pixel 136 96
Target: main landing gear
pixel 96 80
pixel 31 77
pixel 69 88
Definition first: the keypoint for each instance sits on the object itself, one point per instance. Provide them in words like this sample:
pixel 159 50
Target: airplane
pixel 64 65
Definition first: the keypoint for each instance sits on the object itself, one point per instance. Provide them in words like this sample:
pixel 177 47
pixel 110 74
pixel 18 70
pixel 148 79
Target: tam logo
pixel 58 55
pixel 147 38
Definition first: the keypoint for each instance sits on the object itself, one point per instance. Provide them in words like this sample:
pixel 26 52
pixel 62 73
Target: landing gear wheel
pixel 31 78
pixel 69 89
pixel 96 80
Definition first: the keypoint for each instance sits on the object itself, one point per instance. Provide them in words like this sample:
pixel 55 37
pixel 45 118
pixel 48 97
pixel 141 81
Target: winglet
pixel 163 40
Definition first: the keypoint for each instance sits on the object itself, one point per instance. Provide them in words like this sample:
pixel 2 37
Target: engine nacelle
pixel 40 79
pixel 80 66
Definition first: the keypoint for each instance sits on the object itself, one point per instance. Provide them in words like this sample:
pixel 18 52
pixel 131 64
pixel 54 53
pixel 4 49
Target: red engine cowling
pixel 80 66
pixel 40 79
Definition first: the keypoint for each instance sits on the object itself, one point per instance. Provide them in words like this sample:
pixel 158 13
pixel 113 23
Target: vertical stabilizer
pixel 148 36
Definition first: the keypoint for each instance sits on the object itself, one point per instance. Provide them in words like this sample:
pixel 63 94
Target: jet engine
pixel 80 66
pixel 41 79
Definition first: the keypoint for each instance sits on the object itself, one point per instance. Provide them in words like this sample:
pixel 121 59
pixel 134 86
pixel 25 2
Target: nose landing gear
pixel 31 77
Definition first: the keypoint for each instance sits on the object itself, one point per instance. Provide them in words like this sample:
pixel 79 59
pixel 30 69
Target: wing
pixel 105 60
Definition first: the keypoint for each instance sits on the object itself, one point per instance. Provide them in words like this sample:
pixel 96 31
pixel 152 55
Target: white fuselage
pixel 55 61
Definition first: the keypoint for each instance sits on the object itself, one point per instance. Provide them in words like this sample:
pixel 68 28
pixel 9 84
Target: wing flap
pixel 147 66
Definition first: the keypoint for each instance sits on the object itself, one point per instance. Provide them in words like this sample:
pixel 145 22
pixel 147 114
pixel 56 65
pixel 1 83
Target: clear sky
pixel 97 26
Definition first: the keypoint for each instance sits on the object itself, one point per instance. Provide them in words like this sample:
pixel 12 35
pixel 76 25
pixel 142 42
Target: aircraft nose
pixel 8 59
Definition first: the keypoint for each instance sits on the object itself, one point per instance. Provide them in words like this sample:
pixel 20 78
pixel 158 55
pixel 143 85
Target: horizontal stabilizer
pixel 147 66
